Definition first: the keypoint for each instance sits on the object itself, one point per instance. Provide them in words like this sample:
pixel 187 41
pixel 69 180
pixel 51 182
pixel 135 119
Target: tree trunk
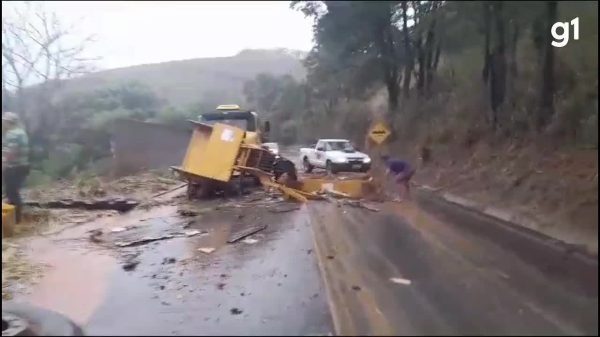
pixel 486 49
pixel 393 91
pixel 512 65
pixel 429 58
pixel 498 65
pixel 547 94
pixel 436 59
pixel 408 67
pixel 421 71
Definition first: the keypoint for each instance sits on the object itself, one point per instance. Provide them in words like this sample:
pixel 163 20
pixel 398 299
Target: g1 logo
pixel 561 40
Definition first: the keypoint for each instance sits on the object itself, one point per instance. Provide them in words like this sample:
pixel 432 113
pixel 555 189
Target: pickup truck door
pixel 319 156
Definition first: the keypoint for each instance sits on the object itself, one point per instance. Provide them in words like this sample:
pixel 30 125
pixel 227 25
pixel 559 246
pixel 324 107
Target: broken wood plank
pixel 143 241
pixel 284 209
pixel 169 190
pixel 236 236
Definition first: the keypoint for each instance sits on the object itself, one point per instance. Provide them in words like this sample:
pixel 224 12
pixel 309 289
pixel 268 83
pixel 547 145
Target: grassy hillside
pixel 188 81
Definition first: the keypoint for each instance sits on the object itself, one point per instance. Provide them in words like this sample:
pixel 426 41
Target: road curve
pixel 451 280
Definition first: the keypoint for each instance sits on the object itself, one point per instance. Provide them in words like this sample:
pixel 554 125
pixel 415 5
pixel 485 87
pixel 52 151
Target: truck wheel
pixel 329 168
pixel 307 166
pixel 199 190
pixel 19 319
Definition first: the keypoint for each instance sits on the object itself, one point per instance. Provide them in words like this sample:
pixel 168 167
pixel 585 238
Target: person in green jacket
pixel 15 159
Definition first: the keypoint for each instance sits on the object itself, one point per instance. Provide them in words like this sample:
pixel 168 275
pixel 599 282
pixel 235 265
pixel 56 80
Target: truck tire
pixel 307 166
pixel 199 190
pixel 19 319
pixel 329 168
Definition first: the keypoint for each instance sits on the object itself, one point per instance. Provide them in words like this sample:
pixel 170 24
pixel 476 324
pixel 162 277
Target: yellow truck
pixel 228 144
pixel 256 132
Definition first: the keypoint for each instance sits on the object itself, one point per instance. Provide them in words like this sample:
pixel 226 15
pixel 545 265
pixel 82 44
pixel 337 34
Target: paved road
pixel 460 282
pixel 271 287
pixel 452 279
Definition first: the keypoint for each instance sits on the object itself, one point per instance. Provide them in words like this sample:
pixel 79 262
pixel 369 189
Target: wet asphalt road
pixel 270 287
pixel 453 281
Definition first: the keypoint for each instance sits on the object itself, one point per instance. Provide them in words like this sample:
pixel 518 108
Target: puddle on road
pixel 86 282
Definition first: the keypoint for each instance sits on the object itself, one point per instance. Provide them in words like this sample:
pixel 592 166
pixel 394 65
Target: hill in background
pixel 185 82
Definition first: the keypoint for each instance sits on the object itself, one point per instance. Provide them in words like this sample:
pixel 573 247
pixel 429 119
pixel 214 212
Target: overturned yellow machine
pixel 219 157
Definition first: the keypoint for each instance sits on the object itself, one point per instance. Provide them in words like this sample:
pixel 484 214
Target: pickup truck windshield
pixel 338 146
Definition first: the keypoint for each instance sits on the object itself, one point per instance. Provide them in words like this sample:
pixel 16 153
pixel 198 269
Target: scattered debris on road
pixel 236 236
pixel 143 241
pixel 121 229
pixel 95 236
pixel 400 280
pixel 235 311
pixel 118 204
pixel 286 208
pixel 130 265
pixel 360 204
pixel 194 232
pixel 169 190
pixel 249 241
pixel 168 260
pixel 206 250
pixel 186 212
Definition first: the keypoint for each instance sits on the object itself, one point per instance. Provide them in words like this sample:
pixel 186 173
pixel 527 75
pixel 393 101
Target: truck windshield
pixel 239 123
pixel 339 146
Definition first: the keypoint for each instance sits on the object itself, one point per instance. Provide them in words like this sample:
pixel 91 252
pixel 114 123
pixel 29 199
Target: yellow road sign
pixel 379 132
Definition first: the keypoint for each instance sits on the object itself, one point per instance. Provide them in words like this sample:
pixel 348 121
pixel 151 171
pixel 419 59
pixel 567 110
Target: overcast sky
pixel 138 32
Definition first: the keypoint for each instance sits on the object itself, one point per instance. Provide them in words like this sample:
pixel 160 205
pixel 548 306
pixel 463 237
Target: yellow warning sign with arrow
pixel 379 132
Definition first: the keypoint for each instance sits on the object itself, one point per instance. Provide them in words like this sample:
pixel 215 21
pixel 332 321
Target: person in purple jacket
pixel 402 171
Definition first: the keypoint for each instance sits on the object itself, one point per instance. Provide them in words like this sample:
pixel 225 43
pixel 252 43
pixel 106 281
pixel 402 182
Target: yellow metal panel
pixel 352 187
pixel 220 153
pixel 8 219
pixel 195 151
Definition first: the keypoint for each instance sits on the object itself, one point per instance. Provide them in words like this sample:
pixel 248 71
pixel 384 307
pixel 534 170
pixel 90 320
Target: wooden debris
pixel 143 241
pixel 206 250
pixel 95 236
pixel 288 208
pixel 400 280
pixel 236 236
pixel 169 190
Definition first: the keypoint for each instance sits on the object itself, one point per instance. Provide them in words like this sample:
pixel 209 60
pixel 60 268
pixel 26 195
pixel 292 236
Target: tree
pixel 368 51
pixel 547 88
pixel 409 64
pixel 35 50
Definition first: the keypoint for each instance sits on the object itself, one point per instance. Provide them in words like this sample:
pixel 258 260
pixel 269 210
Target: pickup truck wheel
pixel 307 166
pixel 329 168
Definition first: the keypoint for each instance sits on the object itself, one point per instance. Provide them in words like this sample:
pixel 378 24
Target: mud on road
pixel 170 270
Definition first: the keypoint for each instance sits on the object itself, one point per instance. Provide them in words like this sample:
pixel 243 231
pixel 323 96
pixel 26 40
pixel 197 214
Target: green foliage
pixel 175 116
pixel 80 132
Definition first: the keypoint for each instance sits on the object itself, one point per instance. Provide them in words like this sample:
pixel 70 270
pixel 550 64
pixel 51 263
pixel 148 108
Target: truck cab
pixel 231 114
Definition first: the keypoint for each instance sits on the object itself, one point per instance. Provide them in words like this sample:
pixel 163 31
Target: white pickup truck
pixel 334 155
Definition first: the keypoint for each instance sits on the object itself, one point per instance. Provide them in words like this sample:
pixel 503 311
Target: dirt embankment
pixel 556 190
